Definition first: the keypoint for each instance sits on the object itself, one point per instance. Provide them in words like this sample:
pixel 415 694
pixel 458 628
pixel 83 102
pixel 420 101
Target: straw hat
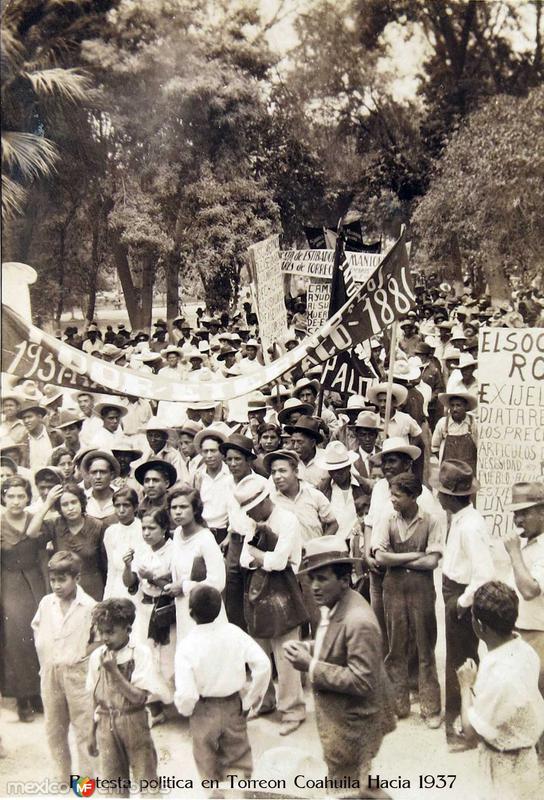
pixel 470 399
pixel 323 551
pixel 456 478
pixel 526 495
pixel 356 402
pixel 293 404
pixel 257 402
pixel 125 445
pixel 191 427
pixel 171 350
pixel 400 393
pixel 404 371
pixel 30 406
pixel 107 455
pixel 101 407
pixel 305 383
pixel 218 431
pixel 396 444
pixel 336 456
pixel 156 424
pixel 451 353
pixel 467 360
pixel 68 418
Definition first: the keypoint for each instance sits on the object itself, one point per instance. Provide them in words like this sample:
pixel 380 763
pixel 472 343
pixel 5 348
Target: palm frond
pixel 32 155
pixel 11 50
pixel 67 84
pixel 13 197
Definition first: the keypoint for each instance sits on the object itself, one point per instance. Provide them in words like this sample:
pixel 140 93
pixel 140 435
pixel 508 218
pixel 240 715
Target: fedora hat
pixel 307 425
pixel 51 394
pixel 325 550
pixel 226 351
pixel 101 407
pixel 368 419
pixel 123 444
pixel 423 349
pixel 30 406
pixel 190 427
pixel 456 478
pixel 293 404
pixel 288 455
pixel 336 456
pixel 217 430
pixel 457 334
pixel 160 323
pixel 160 466
pixel 400 393
pixel 396 444
pixel 68 418
pixel 356 402
pixel 526 495
pixel 107 455
pixel 238 442
pixel 249 493
pixel 305 383
pixel 6 461
pixel 470 399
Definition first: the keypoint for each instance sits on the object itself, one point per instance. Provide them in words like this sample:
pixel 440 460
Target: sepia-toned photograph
pixel 272 399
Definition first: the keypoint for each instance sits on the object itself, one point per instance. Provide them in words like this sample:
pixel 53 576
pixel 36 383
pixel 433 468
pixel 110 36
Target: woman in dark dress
pixel 73 530
pixel 22 586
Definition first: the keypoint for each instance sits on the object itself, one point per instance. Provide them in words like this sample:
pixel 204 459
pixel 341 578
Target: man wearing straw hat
pixel 466 565
pixel 353 699
pixel 527 562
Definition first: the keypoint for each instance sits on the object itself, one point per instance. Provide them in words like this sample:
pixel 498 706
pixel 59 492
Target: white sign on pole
pixel 319 263
pixel 511 419
pixel 271 309
pixel 318 299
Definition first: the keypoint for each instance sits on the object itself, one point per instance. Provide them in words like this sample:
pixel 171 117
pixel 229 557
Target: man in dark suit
pixel 353 700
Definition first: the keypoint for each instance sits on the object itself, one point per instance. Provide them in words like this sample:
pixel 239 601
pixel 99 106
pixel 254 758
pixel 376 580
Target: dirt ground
pixel 411 751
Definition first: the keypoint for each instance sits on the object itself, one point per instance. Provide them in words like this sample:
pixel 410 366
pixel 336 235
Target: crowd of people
pixel 218 560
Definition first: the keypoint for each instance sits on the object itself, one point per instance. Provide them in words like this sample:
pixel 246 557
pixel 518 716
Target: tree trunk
pixel 497 282
pixel 172 287
pixel 120 254
pixel 60 273
pixel 148 280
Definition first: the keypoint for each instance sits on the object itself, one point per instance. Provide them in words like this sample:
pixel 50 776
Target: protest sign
pixel 30 353
pixel 511 418
pixel 271 309
pixel 317 303
pixel 319 263
pixel 347 374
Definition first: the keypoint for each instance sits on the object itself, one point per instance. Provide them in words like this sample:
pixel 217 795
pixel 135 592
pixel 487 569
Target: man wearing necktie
pixel 353 697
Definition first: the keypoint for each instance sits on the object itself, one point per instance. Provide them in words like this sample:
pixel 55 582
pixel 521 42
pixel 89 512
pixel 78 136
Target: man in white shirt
pixel 464 379
pixel 111 413
pixel 528 564
pixel 216 699
pixel 396 456
pixel 100 467
pixel 37 441
pixel 400 423
pixel 467 564
pixel 305 437
pixel 156 433
pixel 274 524
pixel 172 368
pixel 213 479
pixel 91 421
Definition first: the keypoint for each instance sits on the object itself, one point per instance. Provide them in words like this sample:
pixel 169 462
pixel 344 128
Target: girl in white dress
pixel 119 538
pixel 150 569
pixel 196 555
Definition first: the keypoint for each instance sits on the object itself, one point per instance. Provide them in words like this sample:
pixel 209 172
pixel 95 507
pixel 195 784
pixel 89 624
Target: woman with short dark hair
pixel 22 586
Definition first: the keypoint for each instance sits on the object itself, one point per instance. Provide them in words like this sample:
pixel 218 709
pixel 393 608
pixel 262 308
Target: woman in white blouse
pixel 196 555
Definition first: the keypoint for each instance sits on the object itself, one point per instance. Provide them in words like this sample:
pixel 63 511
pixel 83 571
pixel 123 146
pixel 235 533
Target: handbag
pixel 163 616
pixel 273 602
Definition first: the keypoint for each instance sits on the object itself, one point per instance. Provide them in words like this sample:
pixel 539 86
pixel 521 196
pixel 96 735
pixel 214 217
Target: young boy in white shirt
pixel 62 633
pixel 218 700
